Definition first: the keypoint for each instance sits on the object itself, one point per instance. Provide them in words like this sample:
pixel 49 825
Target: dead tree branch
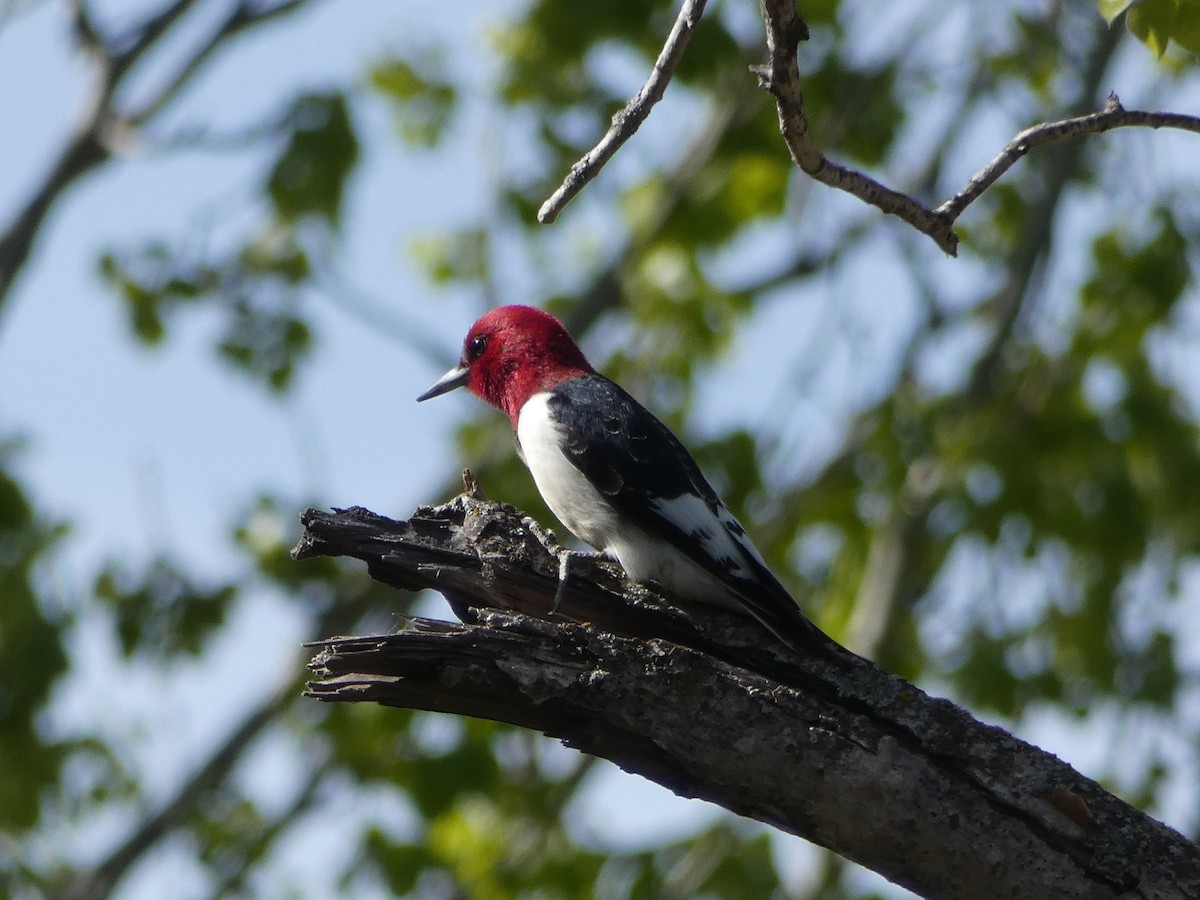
pixel 828 747
pixel 631 116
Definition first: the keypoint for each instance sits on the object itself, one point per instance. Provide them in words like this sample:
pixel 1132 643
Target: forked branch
pixel 781 76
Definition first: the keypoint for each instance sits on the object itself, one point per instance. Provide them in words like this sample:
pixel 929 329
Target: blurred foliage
pixel 256 285
pixel 995 493
pixel 160 610
pixel 423 96
pixel 32 655
pixel 1158 23
pixel 309 178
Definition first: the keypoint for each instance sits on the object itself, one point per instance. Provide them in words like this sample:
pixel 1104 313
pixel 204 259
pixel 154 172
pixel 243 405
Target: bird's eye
pixel 476 347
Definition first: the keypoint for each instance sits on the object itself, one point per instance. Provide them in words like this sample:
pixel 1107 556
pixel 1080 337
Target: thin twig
pixel 243 17
pixel 629 119
pixel 781 76
pixel 1112 116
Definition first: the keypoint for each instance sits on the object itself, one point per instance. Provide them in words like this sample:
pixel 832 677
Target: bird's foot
pixel 565 557
pixel 544 535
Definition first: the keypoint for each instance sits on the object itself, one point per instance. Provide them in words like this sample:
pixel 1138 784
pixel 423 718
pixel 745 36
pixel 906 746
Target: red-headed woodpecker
pixel 614 474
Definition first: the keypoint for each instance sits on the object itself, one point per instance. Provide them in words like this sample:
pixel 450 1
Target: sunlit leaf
pixel 1153 23
pixel 423 98
pixel 309 177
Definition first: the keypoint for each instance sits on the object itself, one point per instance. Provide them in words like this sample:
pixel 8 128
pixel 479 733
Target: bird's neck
pixel 534 379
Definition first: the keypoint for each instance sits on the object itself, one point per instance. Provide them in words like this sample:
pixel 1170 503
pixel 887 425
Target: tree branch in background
pixel 828 746
pixel 888 585
pixel 630 118
pixel 1032 245
pixel 102 124
pixel 233 883
pixel 241 18
pixel 101 880
pixel 781 77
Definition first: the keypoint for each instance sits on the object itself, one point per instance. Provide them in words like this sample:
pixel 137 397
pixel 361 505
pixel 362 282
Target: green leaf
pixel 309 177
pixel 1110 9
pixel 1187 26
pixel 423 98
pixel 32 657
pixel 1153 23
pixel 161 612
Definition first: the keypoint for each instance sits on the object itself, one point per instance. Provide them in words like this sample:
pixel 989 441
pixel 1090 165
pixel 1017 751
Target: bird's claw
pixel 564 555
pixel 549 540
pixel 564 572
pixel 544 535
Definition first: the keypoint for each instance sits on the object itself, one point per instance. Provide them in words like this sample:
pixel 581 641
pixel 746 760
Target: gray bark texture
pixel 826 745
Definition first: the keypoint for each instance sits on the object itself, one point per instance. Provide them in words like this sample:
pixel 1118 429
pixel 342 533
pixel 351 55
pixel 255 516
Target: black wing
pixel 633 459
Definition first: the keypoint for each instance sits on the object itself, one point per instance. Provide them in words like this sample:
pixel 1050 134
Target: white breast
pixel 590 517
pixel 570 496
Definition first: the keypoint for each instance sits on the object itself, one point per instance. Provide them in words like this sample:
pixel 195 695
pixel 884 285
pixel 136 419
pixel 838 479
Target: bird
pixel 615 475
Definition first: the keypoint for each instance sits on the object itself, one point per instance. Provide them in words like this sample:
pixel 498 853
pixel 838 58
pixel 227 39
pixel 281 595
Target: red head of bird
pixel 510 354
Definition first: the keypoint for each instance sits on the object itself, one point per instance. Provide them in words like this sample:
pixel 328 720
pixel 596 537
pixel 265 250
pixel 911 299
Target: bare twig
pixel 1112 116
pixel 630 118
pixel 781 76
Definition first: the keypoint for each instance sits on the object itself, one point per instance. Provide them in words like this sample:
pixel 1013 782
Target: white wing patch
pixel 720 536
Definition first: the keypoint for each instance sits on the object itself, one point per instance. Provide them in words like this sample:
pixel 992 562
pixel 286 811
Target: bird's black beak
pixel 455 378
